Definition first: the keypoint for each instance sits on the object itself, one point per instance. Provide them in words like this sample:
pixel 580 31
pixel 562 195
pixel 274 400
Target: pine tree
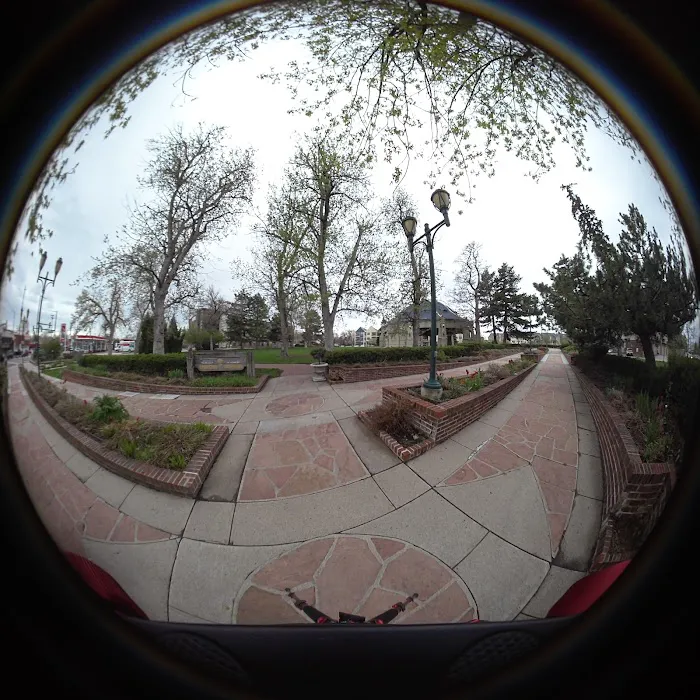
pixel 508 302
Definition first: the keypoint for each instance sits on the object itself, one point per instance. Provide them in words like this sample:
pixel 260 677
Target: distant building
pixel 451 327
pixel 366 336
pixel 89 343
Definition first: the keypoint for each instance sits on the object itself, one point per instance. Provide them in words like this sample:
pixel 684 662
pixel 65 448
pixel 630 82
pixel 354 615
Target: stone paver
pixel 509 505
pixel 580 536
pixel 82 466
pixel 161 510
pixel 143 571
pixel 501 577
pixel 312 515
pixel 555 584
pixel 401 484
pixel 210 522
pixel 439 462
pixel 375 455
pixel 590 477
pixel 298 461
pixel 432 523
pixel 493 503
pixel 359 575
pixel 224 478
pixel 206 577
pixel 110 487
pixel 249 428
pixel 475 435
pixel 496 417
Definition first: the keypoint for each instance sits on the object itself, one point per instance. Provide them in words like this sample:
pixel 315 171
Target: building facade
pixel 451 327
pixel 366 336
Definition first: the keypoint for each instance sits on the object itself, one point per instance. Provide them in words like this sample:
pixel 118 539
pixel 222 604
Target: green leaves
pixel 606 290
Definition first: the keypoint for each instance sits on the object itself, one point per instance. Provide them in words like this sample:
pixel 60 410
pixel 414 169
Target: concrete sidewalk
pixel 496 522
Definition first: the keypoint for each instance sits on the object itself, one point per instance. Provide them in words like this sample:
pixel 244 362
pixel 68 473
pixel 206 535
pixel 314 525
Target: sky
pixel 518 221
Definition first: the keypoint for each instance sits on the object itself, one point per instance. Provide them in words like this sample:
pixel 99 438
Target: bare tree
pixel 197 188
pixel 415 285
pixel 211 306
pixel 280 262
pixel 103 301
pixel 467 282
pixel 350 263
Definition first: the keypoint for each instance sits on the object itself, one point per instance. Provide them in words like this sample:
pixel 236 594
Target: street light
pixel 45 280
pixel 431 388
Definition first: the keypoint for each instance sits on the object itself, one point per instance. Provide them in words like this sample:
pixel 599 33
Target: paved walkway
pixel 496 522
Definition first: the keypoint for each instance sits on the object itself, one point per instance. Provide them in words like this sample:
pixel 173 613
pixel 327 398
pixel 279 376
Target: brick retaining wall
pixel 635 492
pixel 403 452
pixel 187 482
pixel 350 373
pixel 440 421
pixel 144 388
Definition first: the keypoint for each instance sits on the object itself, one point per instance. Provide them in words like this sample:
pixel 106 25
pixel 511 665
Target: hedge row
pixel 368 355
pixel 139 364
pixel 678 382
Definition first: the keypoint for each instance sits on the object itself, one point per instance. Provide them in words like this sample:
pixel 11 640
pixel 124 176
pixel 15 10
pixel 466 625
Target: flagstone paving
pixel 494 523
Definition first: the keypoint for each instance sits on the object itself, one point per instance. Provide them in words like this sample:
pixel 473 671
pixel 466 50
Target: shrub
pixel 140 364
pixel 108 409
pixel 393 418
pixel 495 372
pixel 176 374
pixel 370 355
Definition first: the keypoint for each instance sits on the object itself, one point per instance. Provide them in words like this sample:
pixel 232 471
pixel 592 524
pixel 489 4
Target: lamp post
pixel 431 388
pixel 45 280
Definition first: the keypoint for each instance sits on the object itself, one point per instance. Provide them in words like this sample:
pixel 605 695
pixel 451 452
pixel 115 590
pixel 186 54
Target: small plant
pixel 202 427
pixel 393 418
pixel 127 447
pixel 108 409
pixel 177 462
pixel 176 374
pixel 646 407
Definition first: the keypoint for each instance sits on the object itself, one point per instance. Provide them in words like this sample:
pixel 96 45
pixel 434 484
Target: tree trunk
pixel 110 340
pixel 211 341
pixel 493 321
pixel 284 328
pixel 159 324
pixel 328 323
pixel 415 327
pixel 477 325
pixel 648 350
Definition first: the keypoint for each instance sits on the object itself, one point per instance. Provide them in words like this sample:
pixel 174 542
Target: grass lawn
pixel 214 380
pixel 271 356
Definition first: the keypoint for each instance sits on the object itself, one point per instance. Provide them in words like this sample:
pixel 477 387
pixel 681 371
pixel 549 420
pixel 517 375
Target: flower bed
pixel 185 477
pixel 156 388
pixel 437 422
pixel 635 492
pixel 361 373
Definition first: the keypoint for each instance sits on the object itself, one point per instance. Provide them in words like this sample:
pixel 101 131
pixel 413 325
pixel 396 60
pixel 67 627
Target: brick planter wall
pixel 440 421
pixel 187 482
pixel 361 373
pixel 401 451
pixel 635 492
pixel 144 388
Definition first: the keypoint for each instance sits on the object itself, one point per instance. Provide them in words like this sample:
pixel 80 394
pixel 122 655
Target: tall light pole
pixel 45 280
pixel 431 388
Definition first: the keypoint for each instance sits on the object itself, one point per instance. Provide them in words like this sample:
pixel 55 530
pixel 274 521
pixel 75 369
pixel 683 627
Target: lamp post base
pixel 434 393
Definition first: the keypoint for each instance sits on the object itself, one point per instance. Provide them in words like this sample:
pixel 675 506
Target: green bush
pixel 371 355
pixel 108 409
pixel 140 364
